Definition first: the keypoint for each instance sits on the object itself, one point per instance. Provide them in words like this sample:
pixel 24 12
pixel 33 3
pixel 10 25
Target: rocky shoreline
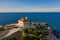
pixel 52 32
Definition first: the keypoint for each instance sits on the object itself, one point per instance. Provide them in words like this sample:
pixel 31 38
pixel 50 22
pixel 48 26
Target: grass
pixel 2 31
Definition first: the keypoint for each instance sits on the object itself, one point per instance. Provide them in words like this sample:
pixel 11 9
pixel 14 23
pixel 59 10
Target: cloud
pixel 30 10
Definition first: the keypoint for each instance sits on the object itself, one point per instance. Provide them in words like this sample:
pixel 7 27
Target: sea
pixel 52 18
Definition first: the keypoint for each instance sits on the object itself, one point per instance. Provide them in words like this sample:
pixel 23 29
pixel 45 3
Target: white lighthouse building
pixel 24 23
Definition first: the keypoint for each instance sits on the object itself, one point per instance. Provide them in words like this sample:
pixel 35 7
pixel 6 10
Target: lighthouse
pixel 23 22
pixel 26 17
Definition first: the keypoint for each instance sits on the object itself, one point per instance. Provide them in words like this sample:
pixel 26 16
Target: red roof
pixel 23 20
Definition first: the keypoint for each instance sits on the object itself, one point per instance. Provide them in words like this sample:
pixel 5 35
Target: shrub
pixel 1 29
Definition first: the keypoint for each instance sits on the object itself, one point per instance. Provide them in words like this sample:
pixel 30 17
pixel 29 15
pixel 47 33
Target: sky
pixel 29 5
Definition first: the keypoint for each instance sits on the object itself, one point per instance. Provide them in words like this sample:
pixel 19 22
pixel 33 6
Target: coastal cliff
pixel 29 31
pixel 41 32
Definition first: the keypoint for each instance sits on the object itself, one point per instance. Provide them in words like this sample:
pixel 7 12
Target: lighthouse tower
pixel 26 17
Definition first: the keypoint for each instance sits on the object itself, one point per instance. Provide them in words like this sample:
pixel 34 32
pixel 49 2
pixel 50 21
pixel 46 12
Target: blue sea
pixel 52 18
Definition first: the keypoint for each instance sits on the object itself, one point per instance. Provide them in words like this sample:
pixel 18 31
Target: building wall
pixel 20 24
pixel 26 25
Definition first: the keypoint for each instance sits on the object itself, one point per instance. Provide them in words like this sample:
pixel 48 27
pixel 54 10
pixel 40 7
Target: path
pixel 10 32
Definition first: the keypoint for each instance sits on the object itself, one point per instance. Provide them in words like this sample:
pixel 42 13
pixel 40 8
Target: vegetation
pixel 11 38
pixel 2 31
pixel 34 34
pixel 38 33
